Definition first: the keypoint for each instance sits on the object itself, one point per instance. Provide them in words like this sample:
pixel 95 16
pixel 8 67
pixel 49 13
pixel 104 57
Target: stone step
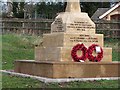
pixel 68 69
pixel 64 54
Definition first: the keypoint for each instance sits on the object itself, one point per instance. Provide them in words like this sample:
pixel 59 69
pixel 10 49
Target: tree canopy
pixel 18 9
pixel 50 9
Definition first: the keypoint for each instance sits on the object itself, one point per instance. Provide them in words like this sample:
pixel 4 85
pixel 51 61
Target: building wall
pixel 115 12
pixel 115 17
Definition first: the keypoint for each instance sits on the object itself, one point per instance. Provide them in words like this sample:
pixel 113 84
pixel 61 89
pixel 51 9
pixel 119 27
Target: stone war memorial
pixel 71 50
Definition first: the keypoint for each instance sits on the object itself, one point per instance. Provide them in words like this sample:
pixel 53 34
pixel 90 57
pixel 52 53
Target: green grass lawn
pixel 114 43
pixel 17 47
pixel 10 81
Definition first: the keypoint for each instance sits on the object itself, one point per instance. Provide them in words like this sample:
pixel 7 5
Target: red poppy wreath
pixel 99 56
pixel 74 55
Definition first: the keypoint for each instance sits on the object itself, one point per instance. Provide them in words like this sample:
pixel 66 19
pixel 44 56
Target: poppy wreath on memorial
pixel 74 55
pixel 93 58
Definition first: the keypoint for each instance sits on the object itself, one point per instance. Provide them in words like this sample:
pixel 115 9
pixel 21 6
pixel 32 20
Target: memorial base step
pixel 68 69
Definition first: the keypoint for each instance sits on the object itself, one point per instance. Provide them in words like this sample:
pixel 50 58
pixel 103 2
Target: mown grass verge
pixel 10 81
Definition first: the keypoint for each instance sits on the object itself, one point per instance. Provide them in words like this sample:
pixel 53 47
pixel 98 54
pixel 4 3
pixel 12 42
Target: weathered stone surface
pixel 70 22
pixel 71 39
pixel 68 69
pixel 64 54
pixel 48 53
pixel 73 6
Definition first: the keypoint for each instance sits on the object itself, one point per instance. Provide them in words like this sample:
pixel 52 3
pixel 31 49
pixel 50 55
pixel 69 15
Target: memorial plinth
pixel 54 58
pixel 57 69
pixel 73 22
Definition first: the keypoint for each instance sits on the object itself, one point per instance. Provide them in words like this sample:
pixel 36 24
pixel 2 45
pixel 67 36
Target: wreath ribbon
pixel 93 58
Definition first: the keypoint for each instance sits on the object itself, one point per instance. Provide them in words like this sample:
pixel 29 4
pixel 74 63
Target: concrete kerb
pixel 51 80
